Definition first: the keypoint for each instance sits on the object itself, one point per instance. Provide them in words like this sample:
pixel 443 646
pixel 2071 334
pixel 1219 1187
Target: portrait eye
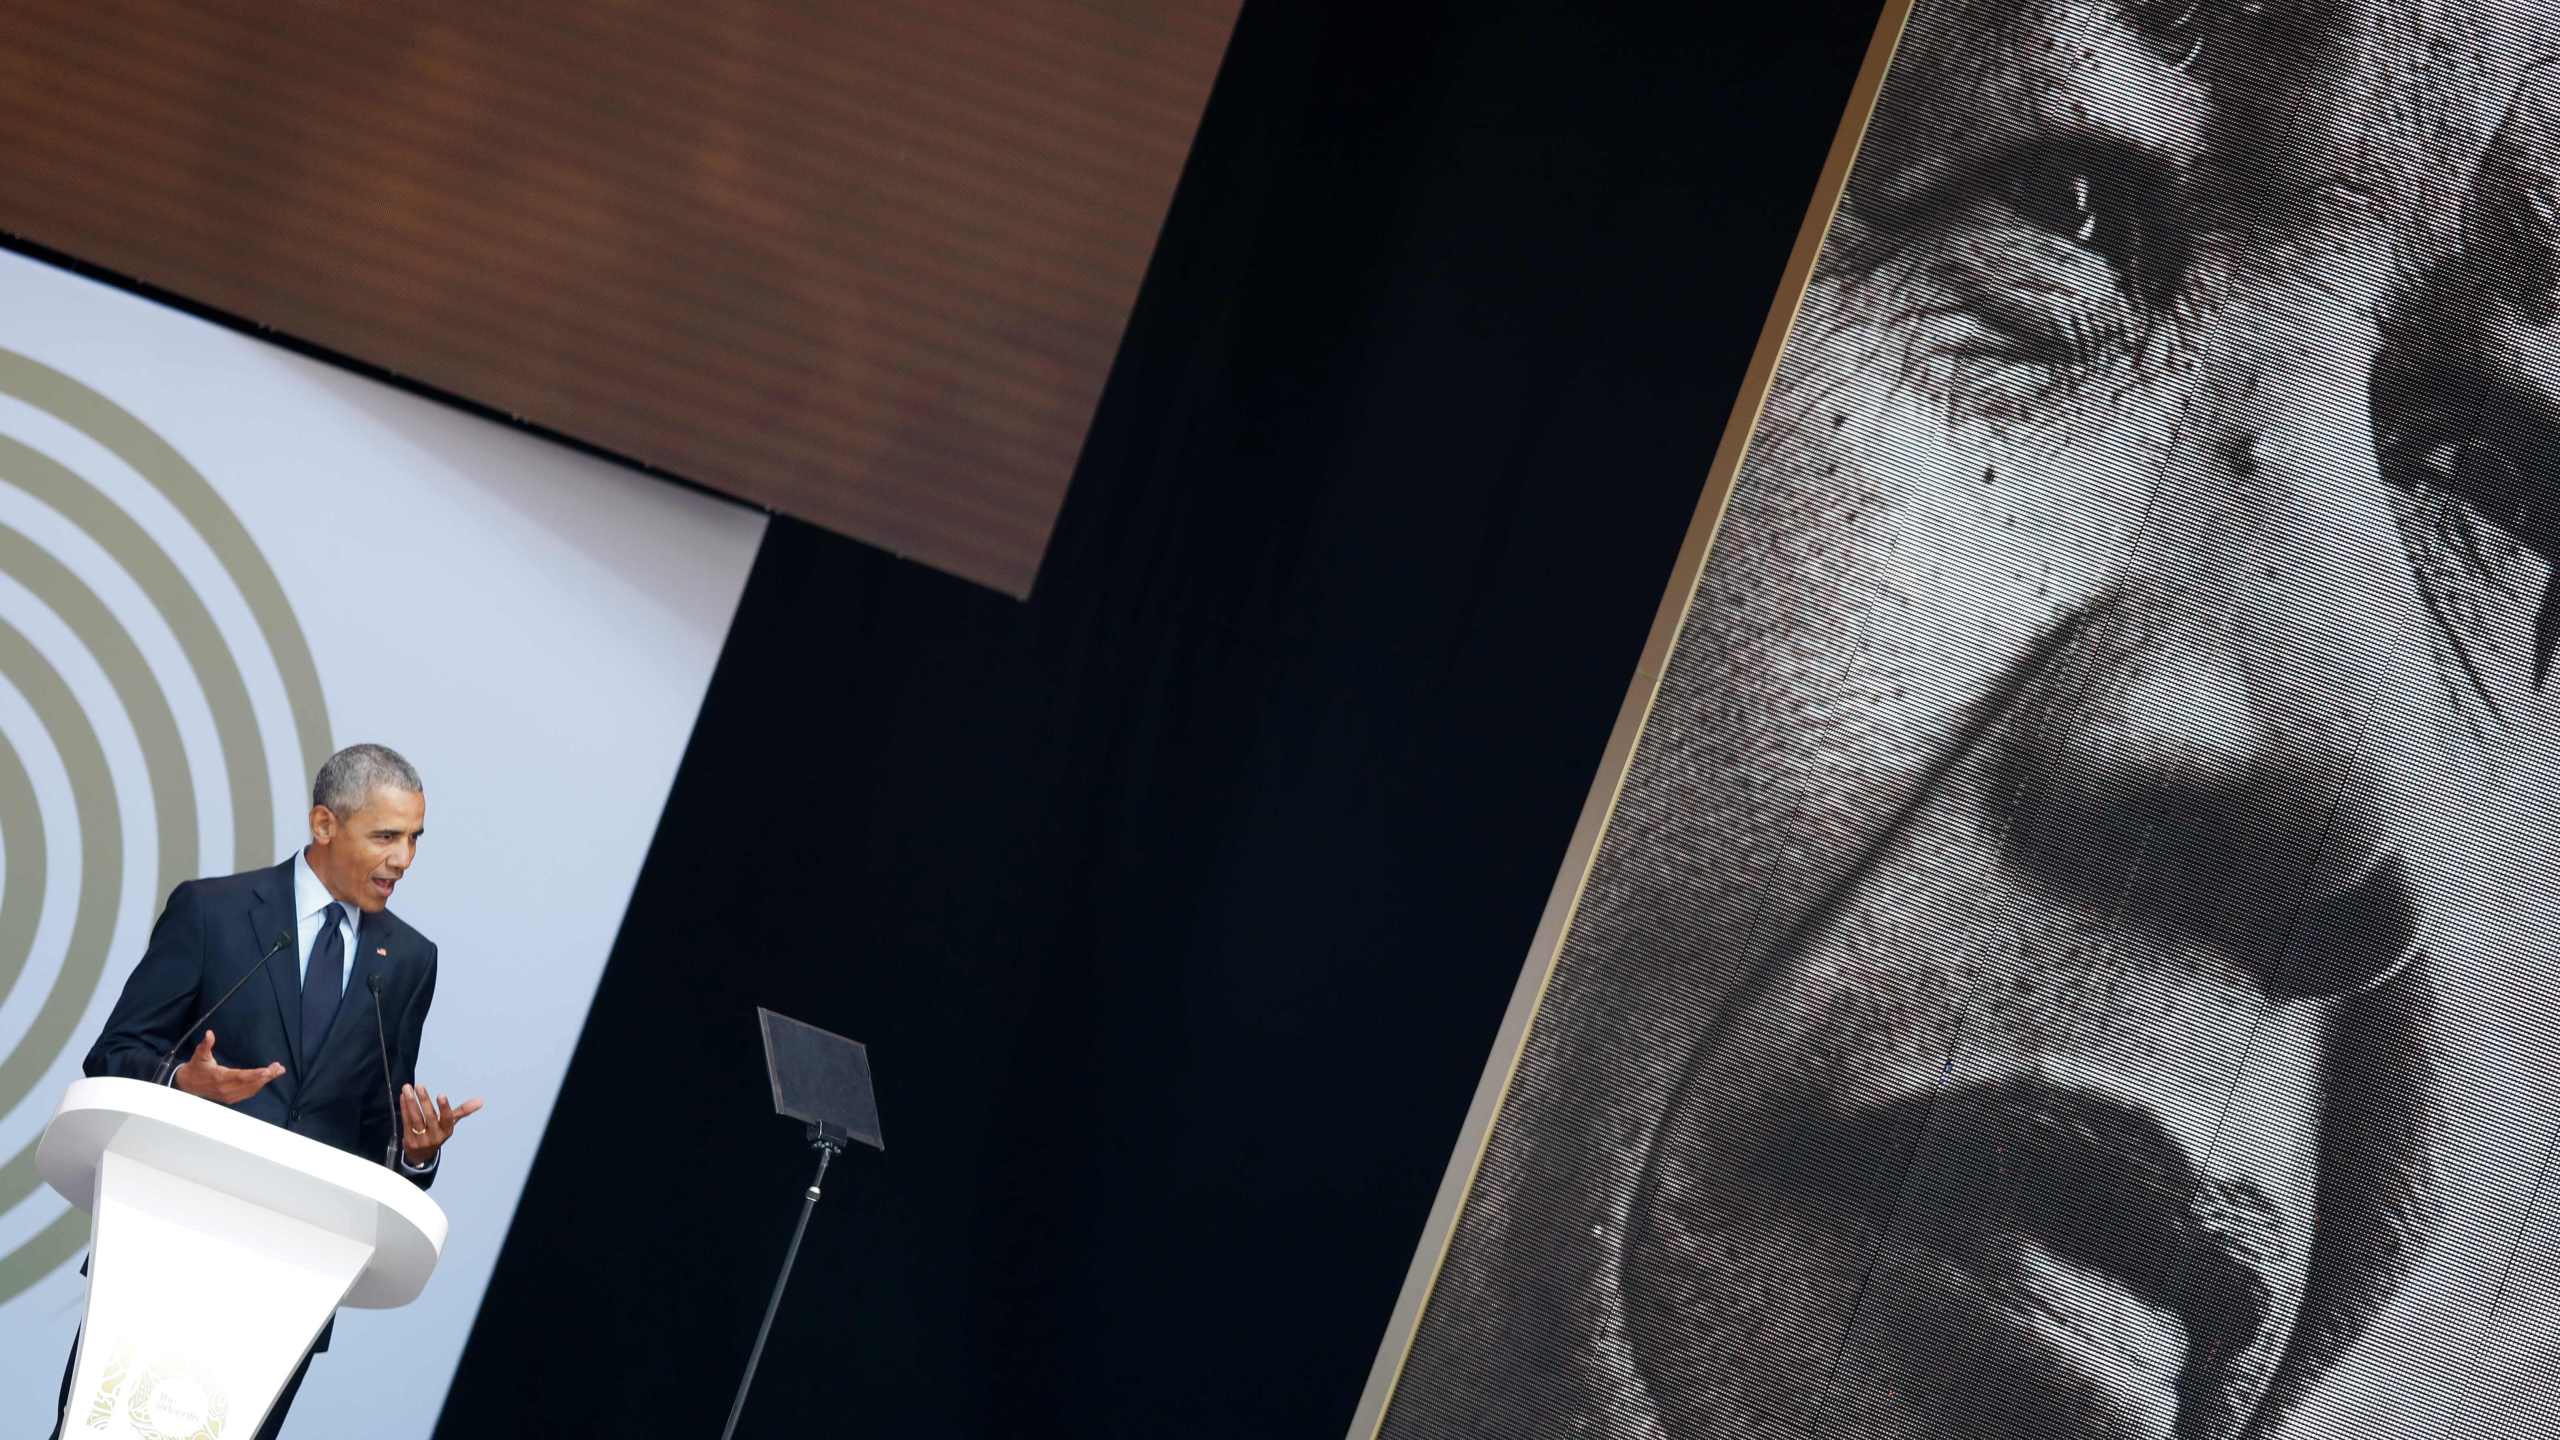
pixel 2479 536
pixel 2122 206
pixel 2501 514
pixel 2067 203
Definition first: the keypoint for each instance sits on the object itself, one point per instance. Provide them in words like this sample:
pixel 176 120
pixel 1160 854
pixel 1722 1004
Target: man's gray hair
pixel 352 775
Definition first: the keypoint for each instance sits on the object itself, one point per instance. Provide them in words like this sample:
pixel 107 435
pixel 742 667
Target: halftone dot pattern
pixel 2071 954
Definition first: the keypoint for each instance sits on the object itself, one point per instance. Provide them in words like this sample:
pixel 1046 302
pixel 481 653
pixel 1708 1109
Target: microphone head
pixel 373 982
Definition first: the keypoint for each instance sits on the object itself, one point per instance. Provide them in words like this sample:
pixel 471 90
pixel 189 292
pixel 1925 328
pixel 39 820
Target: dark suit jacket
pixel 210 934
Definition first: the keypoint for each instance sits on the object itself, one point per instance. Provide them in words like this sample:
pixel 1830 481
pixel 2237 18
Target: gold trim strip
pixel 1431 1251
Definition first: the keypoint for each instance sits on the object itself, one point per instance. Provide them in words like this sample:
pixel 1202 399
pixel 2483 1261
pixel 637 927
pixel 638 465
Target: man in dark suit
pixel 298 1048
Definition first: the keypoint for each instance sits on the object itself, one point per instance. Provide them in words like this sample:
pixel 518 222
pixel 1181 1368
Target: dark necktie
pixel 322 982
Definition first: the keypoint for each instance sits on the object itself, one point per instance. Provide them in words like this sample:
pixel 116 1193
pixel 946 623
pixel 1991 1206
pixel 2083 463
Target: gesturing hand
pixel 426 1124
pixel 203 1075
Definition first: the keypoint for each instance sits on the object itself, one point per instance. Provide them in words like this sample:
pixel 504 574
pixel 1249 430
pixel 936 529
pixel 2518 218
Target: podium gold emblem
pixel 166 1400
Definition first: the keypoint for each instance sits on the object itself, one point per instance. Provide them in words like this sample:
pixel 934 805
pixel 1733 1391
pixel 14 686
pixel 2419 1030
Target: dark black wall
pixel 1180 904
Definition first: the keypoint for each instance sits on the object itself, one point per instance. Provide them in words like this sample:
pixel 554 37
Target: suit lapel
pixel 271 915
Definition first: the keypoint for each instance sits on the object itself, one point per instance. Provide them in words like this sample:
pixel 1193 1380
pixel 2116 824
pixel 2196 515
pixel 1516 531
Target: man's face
pixel 362 855
pixel 2136 607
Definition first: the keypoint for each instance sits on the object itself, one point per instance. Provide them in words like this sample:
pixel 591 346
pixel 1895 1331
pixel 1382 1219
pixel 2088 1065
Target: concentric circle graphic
pixel 29 855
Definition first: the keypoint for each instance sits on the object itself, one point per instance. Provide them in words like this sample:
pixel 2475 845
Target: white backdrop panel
pixel 533 628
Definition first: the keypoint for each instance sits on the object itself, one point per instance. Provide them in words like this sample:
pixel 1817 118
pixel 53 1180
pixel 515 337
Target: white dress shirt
pixel 311 900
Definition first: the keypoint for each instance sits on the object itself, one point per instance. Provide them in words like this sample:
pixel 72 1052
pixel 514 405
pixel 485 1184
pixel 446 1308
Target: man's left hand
pixel 425 1124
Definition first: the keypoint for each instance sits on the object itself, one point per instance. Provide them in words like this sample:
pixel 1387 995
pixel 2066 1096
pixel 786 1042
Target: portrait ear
pixel 324 824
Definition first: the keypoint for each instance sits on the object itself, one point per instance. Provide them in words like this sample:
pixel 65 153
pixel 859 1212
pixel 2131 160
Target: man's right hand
pixel 205 1076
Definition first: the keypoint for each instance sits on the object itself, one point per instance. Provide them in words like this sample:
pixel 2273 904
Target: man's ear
pixel 324 824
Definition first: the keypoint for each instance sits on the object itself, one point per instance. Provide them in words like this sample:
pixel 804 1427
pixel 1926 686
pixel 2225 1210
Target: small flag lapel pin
pixel 378 950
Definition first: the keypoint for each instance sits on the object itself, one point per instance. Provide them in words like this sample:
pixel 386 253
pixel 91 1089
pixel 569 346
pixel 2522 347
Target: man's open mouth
pixel 2022 1231
pixel 2102 1187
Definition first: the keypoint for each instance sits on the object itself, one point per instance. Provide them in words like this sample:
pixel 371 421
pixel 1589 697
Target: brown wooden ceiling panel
pixel 865 262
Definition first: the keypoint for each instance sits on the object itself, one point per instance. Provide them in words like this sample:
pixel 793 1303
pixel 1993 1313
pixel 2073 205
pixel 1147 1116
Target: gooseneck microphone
pixel 169 1062
pixel 390 1092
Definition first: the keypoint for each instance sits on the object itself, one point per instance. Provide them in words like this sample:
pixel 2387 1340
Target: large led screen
pixel 865 261
pixel 218 563
pixel 2072 951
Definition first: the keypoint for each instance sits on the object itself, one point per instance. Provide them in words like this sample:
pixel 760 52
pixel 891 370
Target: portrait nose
pixel 2278 534
pixel 2239 728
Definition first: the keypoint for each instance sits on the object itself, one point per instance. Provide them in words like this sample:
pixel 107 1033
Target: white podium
pixel 218 1247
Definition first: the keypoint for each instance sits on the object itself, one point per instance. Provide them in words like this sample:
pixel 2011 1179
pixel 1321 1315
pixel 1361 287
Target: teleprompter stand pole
pixel 828 1146
pixel 822 1080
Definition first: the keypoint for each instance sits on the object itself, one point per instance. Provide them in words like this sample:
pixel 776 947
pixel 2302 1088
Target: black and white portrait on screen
pixel 2073 954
